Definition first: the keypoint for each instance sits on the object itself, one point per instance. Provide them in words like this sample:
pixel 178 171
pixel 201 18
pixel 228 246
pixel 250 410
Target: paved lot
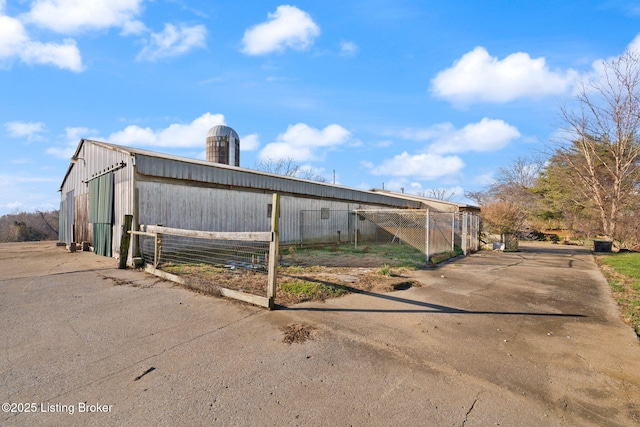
pixel 529 338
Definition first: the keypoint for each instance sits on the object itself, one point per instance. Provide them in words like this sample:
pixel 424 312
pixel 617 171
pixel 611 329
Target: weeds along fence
pixel 240 265
pixel 431 232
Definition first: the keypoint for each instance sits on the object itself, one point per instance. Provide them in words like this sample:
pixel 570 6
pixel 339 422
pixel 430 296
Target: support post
pixel 158 250
pixel 465 233
pixel 357 220
pixel 125 239
pixel 301 228
pixel 273 251
pixel 453 231
pixel 427 232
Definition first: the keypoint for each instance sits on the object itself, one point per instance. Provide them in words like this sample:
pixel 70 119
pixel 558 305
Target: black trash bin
pixel 602 245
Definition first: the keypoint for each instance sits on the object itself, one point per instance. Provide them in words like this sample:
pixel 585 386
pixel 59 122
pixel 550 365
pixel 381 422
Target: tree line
pixel 29 226
pixel 588 181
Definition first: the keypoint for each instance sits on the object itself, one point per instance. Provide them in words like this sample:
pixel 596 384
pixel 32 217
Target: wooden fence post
pixel 158 250
pixel 124 241
pixel 427 235
pixel 273 251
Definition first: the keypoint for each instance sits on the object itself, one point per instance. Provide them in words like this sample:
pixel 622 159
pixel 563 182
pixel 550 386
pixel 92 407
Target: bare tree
pixel 436 193
pixel 510 203
pixel 288 167
pixel 601 149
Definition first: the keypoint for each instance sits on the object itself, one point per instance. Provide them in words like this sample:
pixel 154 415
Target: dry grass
pixel 309 275
pixel 298 333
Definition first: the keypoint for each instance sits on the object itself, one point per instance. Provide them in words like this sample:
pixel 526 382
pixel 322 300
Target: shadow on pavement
pixel 429 307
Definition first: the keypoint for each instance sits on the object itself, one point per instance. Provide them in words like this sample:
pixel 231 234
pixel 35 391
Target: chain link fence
pixel 429 231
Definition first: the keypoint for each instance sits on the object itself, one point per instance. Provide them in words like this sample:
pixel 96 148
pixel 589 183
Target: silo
pixel 223 146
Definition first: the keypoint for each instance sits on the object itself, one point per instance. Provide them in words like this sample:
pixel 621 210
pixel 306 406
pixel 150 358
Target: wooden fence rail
pixel 157 232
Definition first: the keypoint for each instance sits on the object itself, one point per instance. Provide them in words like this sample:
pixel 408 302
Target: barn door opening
pixel 101 213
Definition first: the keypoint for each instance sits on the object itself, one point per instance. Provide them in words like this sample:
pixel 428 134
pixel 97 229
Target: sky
pixel 405 95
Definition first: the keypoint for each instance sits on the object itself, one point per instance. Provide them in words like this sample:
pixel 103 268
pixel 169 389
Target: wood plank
pixel 164 275
pixel 255 236
pixel 229 293
pixel 142 233
pixel 242 296
pixel 273 252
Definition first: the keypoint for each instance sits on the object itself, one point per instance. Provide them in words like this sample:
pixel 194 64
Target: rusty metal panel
pixel 83 232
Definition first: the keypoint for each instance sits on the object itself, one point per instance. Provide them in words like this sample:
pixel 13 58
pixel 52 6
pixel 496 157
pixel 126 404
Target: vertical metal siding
pixel 212 209
pixel 93 160
pixel 200 172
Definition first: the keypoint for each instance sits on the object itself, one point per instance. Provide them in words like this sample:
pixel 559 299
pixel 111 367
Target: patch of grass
pixel 616 286
pixel 297 269
pixel 179 269
pixel 398 255
pixel 311 290
pixel 622 271
pixel 627 263
pixel 385 270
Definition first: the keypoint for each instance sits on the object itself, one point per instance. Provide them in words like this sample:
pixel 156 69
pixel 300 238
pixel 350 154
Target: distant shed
pixel 105 182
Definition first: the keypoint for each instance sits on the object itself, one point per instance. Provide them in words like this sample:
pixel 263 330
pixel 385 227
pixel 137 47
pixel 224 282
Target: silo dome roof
pixel 221 130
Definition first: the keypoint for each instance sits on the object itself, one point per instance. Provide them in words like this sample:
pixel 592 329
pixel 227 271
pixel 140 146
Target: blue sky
pixel 413 95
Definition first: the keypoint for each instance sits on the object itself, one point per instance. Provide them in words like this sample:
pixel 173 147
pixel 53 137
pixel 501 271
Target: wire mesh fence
pixel 326 226
pixel 337 226
pixel 431 232
pixel 210 265
pixel 169 250
pixel 240 265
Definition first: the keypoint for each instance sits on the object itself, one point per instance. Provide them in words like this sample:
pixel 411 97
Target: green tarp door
pixel 101 212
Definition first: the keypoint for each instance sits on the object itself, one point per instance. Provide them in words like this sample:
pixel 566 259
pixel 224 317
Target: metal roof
pixel 221 130
pixel 162 165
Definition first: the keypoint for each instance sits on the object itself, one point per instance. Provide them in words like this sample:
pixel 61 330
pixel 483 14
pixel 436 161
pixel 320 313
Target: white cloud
pixel 173 41
pixel 16 43
pixel 133 28
pixel 71 16
pixel 287 27
pixel 420 166
pixel 175 135
pixel 250 142
pixel 26 192
pixel 301 142
pixel 348 48
pixel 479 77
pixel 486 135
pixel 28 130
pixel 71 138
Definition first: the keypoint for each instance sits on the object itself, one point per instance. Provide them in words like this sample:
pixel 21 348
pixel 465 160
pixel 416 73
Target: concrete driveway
pixel 528 338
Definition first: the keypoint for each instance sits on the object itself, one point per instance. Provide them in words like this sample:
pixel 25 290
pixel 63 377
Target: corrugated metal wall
pixel 237 178
pixel 213 209
pixel 93 160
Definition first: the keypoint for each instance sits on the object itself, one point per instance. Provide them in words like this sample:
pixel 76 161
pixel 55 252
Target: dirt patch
pixel 336 281
pixel 298 333
pixel 324 274
pixel 351 280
